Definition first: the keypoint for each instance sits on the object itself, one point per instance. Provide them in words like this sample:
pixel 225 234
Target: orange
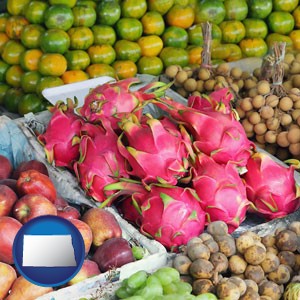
pixel 175 36
pixel 133 8
pixel 151 45
pixel 58 16
pixel 256 47
pixel 34 11
pixel 174 56
pixel 277 37
pixel 181 16
pixel 233 31
pixel 52 64
pixel 296 15
pixel 151 65
pixel 12 98
pixel 3 68
pixel 3 89
pixel 55 41
pixel 13 75
pixel 29 103
pixel 108 12
pixel 295 36
pixel 16 7
pixel 11 52
pixel 3 20
pixel 127 50
pixel 29 81
pixel 14 26
pixel 30 36
pixel 97 70
pixel 29 59
pixel 125 69
pixel 235 52
pixel 161 6
pixel 77 59
pixel 69 3
pixel 3 39
pixel 194 53
pixel 48 82
pixel 220 51
pixel 81 38
pixel 74 76
pixel 102 54
pixel 153 23
pixel 129 29
pixel 84 15
pixel 104 34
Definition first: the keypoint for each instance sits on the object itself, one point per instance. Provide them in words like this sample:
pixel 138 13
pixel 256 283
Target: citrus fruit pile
pixel 55 42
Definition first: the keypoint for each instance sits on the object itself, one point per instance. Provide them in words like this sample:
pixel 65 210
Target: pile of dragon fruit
pixel 169 175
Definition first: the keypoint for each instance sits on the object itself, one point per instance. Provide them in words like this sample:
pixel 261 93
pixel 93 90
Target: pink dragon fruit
pixel 217 134
pixel 155 150
pixel 171 215
pixel 221 191
pixel 116 100
pixel 271 186
pixel 100 162
pixel 62 136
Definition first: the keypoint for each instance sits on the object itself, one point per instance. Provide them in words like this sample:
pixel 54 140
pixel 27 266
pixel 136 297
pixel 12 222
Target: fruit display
pixel 26 192
pixel 46 44
pixel 113 146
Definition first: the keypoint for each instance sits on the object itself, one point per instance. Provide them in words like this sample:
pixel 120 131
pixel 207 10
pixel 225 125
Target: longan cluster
pixel 248 267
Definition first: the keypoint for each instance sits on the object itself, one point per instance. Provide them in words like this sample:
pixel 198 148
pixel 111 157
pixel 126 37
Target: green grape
pixel 170 288
pixel 138 252
pixel 166 275
pixel 150 291
pixel 121 293
pixel 137 279
pixel 152 280
pixel 206 296
pixel 173 297
pixel 184 288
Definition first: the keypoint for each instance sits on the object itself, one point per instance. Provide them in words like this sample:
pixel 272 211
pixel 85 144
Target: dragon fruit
pixel 221 191
pixel 100 162
pixel 62 136
pixel 271 186
pixel 171 215
pixel 155 149
pixel 116 100
pixel 217 134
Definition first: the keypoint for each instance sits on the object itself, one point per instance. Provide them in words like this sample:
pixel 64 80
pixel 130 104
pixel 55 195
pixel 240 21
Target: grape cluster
pixel 164 284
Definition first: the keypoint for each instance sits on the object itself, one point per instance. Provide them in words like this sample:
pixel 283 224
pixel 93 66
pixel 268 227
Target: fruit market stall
pixel 179 120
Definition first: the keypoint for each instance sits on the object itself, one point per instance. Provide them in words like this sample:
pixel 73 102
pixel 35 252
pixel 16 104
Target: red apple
pixel 7 199
pixel 88 269
pixel 86 233
pixel 7 277
pixel 60 202
pixel 34 182
pixel 30 165
pixel 103 223
pixel 113 253
pixel 8 230
pixel 68 212
pixel 32 205
pixel 6 167
pixel 12 183
pixel 25 290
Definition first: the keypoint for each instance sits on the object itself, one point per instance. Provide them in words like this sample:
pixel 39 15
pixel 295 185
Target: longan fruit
pixel 252 92
pixel 271 136
pixel 236 72
pixel 294 94
pixel 285 103
pixel 258 101
pixel 209 85
pixel 272 100
pixel 294 135
pixel 249 83
pixel 190 85
pixel 248 127
pixel 282 140
pixel 172 70
pixel 196 93
pixel 295 113
pixel 296 104
pixel 246 104
pixel 240 112
pixel 263 87
pixel 188 70
pixel 298 120
pixel 266 112
pixel 223 68
pixel 294 149
pixel 203 74
pixel 245 75
pixel 286 119
pixel 200 86
pixel 254 117
pixel 260 138
pixel 260 128
pixel 272 123
pixel 287 85
pixel 295 67
pixel 181 77
pixel 182 92
pixel 296 80
pixel 235 87
pixel 257 72
pixel 289 57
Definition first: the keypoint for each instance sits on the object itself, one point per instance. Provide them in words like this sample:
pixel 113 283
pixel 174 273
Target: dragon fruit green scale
pixel 271 187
